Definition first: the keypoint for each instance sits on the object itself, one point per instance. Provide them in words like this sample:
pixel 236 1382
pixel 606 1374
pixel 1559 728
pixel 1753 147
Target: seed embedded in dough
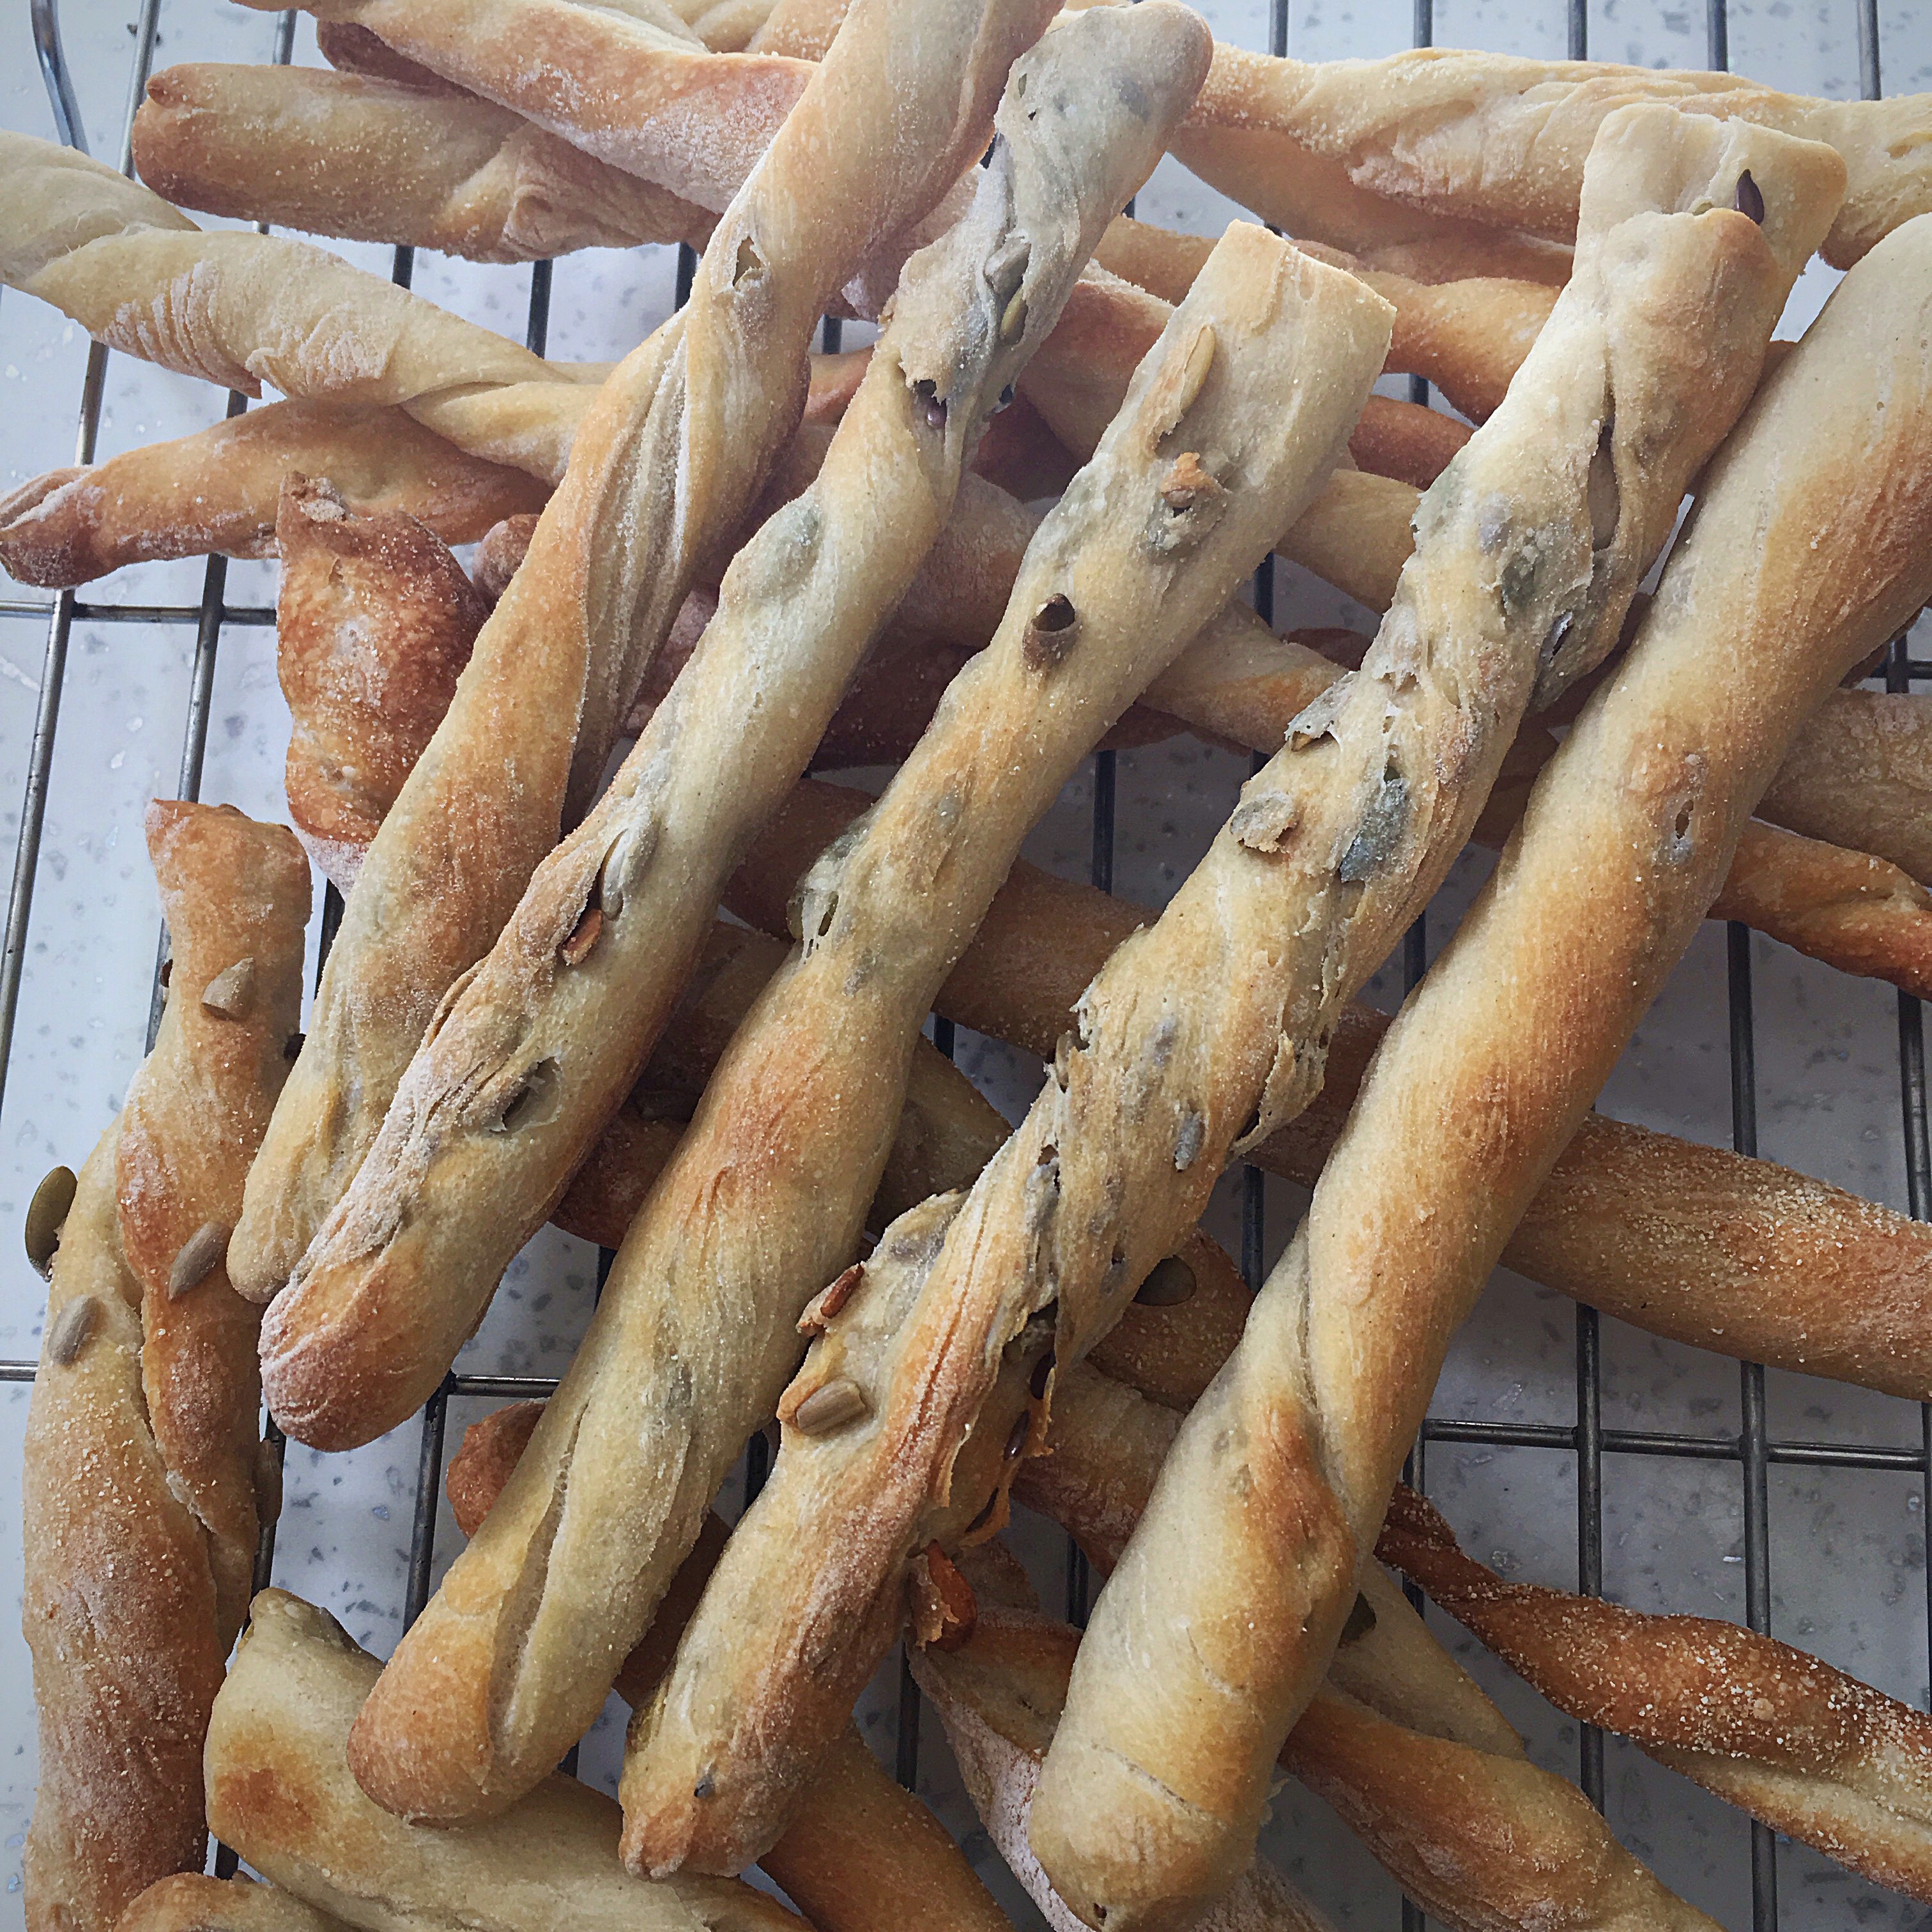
pixel 829 1407
pixel 201 1254
pixel 73 1328
pixel 228 994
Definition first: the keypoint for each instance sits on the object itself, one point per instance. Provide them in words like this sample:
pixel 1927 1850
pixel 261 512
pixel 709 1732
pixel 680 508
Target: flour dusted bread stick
pixel 374 621
pixel 1225 426
pixel 661 478
pixel 1815 1753
pixel 582 1533
pixel 1860 775
pixel 216 491
pixel 1155 1086
pixel 144 1483
pixel 279 1791
pixel 374 160
pixel 396 1280
pixel 1468 337
pixel 1807 549
pixel 191 1902
pixel 1506 140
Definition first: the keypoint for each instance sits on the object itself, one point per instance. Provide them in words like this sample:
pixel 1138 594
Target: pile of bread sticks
pixel 677 1008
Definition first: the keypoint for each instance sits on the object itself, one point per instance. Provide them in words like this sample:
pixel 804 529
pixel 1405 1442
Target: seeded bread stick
pixel 144 1484
pixel 1094 614
pixel 1467 337
pixel 374 621
pixel 280 1792
pixel 397 1277
pixel 863 1855
pixel 663 474
pixel 374 160
pixel 1398 1738
pixel 1808 549
pixel 1486 136
pixel 1813 1753
pixel 607 1515
pixel 656 855
pixel 1155 1086
pixel 216 491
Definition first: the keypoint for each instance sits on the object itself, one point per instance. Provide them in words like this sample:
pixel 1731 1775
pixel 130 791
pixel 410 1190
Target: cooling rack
pixel 1840 46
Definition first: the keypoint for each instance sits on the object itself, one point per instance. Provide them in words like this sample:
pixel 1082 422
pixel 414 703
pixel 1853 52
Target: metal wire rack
pixel 1752 1448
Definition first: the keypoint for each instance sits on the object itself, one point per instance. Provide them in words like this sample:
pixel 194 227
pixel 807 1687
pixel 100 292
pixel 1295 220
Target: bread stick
pixel 373 160
pixel 373 624
pixel 649 1328
pixel 662 475
pixel 1808 549
pixel 279 1791
pixel 1468 337
pixel 642 94
pixel 144 1484
pixel 1861 775
pixel 1813 1753
pixel 863 1855
pixel 191 1902
pixel 1505 140
pixel 397 1278
pixel 1152 1090
pixel 216 491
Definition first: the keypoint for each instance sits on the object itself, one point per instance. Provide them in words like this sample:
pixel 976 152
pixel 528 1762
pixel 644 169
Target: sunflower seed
pixel 229 992
pixel 583 937
pixel 202 1253
pixel 829 1407
pixel 72 1328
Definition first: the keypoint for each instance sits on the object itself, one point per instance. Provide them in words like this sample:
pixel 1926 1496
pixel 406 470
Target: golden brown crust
pixel 370 160
pixel 374 621
pixel 139 1504
pixel 217 491
pixel 1861 776
pixel 279 1791
pixel 1802 556
pixel 1813 1752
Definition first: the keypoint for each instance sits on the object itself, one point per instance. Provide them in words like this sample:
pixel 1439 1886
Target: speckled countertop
pixel 1848 1548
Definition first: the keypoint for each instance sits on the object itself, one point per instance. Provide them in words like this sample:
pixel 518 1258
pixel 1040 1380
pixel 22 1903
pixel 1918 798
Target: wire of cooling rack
pixel 1752 1448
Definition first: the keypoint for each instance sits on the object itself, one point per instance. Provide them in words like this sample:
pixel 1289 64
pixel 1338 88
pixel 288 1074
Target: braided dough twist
pixel 1206 1031
pixel 1808 549
pixel 144 1484
pixel 1811 1751
pixel 662 474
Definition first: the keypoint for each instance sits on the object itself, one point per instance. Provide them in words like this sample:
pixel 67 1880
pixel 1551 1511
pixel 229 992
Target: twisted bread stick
pixel 1813 1752
pixel 143 1484
pixel 189 1902
pixel 373 624
pixel 216 491
pixel 863 1855
pixel 372 160
pixel 663 474
pixel 1468 337
pixel 397 1278
pixel 279 1791
pixel 1298 901
pixel 1808 547
pixel 915 879
pixel 643 94
pixel 1506 140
